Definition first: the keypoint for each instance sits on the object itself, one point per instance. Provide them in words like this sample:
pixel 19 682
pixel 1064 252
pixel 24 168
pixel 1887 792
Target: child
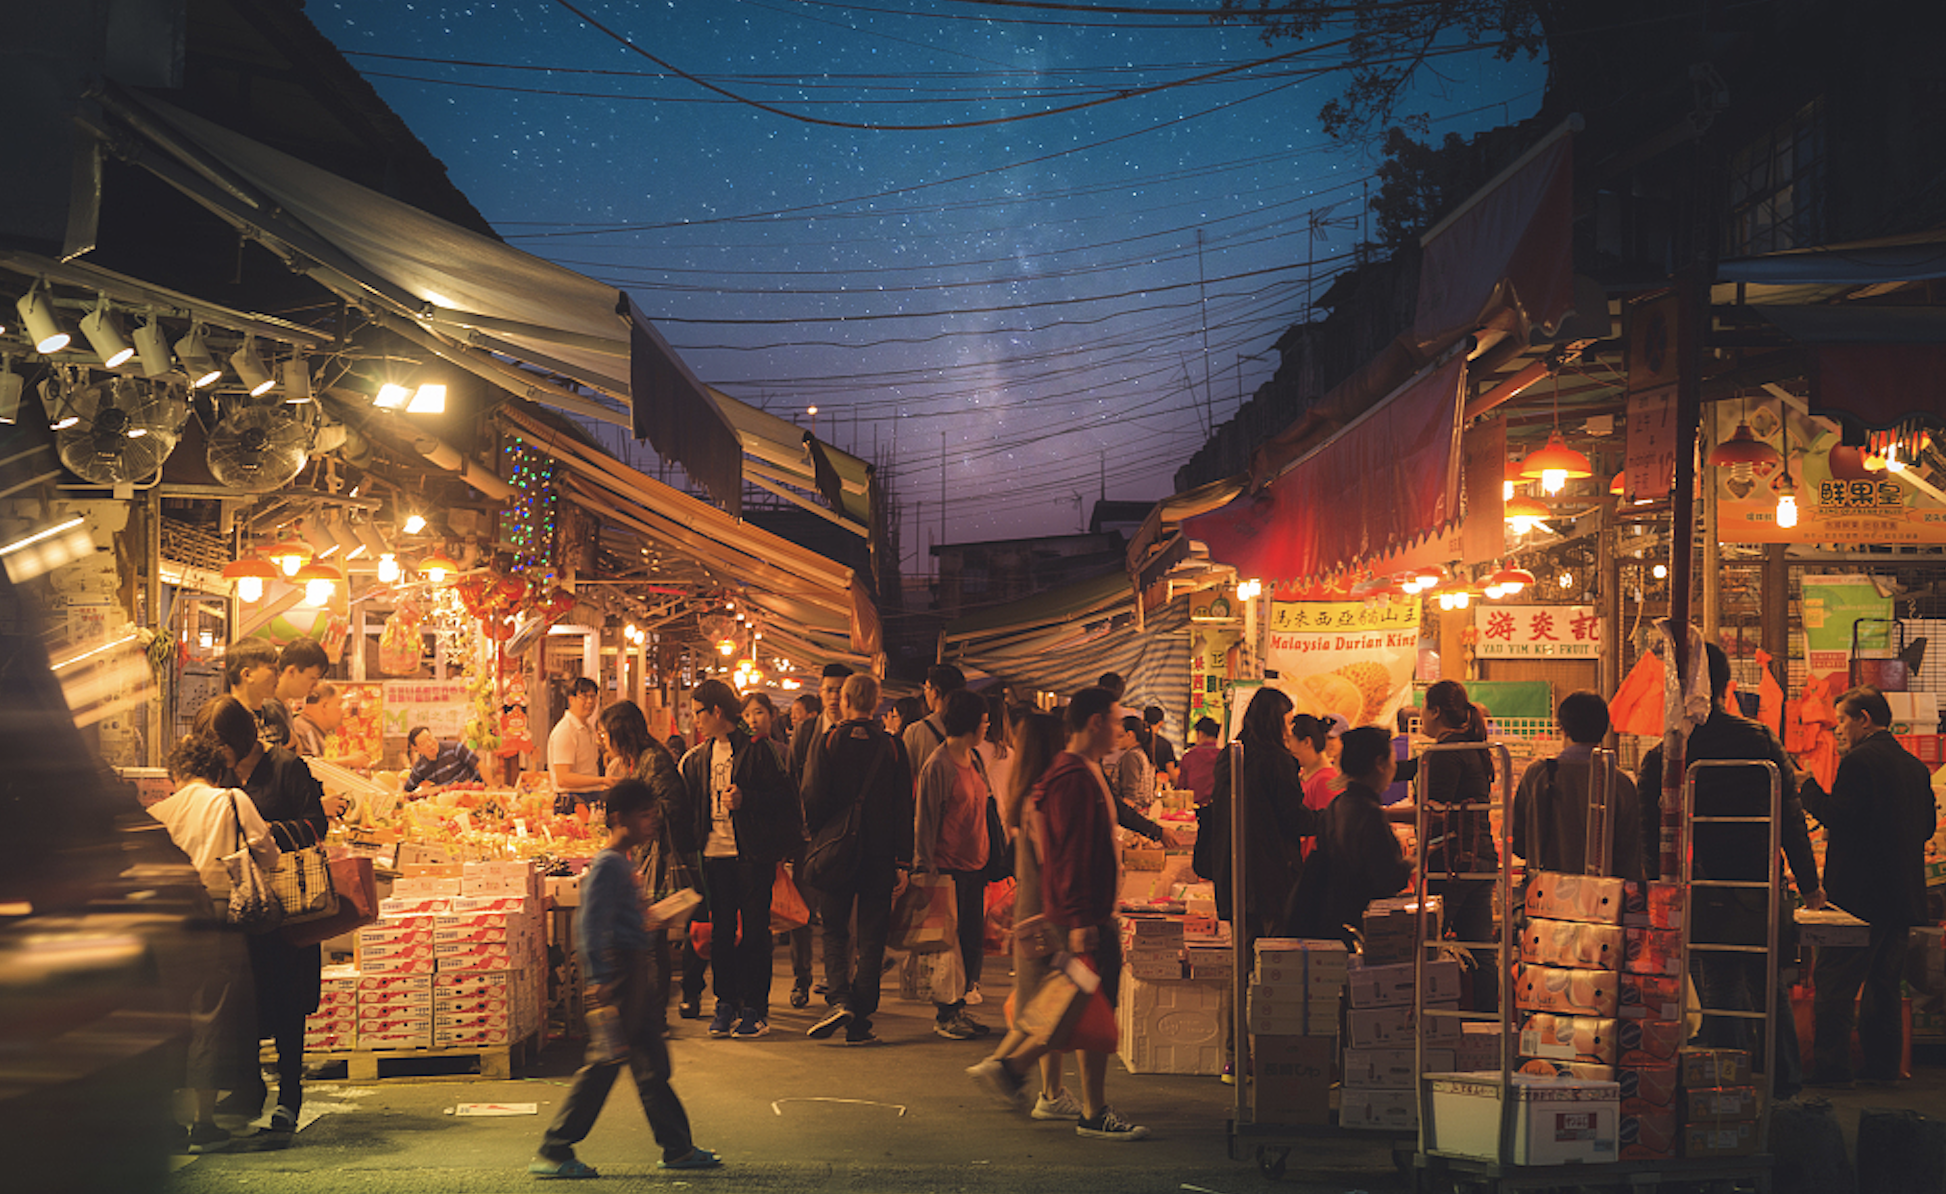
pixel 622 967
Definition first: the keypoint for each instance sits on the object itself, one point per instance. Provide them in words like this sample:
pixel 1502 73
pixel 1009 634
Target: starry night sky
pixel 1027 287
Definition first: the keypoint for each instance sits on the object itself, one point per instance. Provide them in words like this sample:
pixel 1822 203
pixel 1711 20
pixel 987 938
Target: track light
pixel 347 540
pixel 391 396
pixel 250 367
pixel 153 348
pixel 104 333
pixel 196 361
pixel 43 330
pixel 297 380
pixel 369 538
pixel 11 384
pixel 428 400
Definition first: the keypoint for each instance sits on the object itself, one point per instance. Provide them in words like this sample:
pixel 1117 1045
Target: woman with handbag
pixel 209 822
pixel 295 807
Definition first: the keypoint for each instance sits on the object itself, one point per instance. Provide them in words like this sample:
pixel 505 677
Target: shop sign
pixel 1838 499
pixel 1536 631
pixel 1651 460
pixel 361 736
pixel 1214 631
pixel 442 705
pixel 1832 604
pixel 1349 658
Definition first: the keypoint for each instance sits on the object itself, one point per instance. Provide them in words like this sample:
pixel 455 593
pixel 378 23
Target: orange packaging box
pixel 1569 1038
pixel 461 1038
pixel 1589 898
pixel 1572 944
pixel 416 947
pixel 418 1020
pixel 467 1005
pixel 393 982
pixel 1647 1088
pixel 496 981
pixel 1648 1136
pixel 1651 997
pixel 454 1022
pixel 1654 905
pixel 1651 1042
pixel 388 966
pixel 473 905
pixel 1655 951
pixel 1566 992
pixel 335 1021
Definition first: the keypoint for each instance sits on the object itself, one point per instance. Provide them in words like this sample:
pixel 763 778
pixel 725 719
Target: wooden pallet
pixel 367 1065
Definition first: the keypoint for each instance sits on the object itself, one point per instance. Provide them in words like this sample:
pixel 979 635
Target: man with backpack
pixel 859 812
pixel 923 737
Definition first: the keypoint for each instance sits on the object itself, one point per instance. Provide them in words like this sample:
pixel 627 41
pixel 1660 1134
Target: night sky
pixel 1028 287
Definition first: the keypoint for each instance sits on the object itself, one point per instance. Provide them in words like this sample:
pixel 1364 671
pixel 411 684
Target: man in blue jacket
pixel 743 817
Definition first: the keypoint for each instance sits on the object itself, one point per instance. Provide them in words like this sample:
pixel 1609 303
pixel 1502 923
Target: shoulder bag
pixel 253 907
pixel 301 880
pixel 831 860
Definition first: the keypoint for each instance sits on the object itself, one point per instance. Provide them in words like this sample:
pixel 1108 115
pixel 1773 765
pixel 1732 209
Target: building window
pixel 1777 187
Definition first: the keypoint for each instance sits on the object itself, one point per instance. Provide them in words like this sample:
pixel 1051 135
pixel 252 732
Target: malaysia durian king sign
pixel 1346 657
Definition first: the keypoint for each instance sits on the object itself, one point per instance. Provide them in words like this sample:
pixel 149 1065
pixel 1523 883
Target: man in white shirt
pixel 572 754
pixel 921 738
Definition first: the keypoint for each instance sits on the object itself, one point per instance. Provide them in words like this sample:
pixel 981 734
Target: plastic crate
pixel 1929 749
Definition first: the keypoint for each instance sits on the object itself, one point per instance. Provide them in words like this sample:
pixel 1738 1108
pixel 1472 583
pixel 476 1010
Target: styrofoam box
pixel 1390 1069
pixel 1389 986
pixel 1378 1110
pixel 1557 1121
pixel 1172 1027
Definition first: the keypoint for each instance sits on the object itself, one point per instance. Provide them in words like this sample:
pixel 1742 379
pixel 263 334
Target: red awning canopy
pixel 1387 479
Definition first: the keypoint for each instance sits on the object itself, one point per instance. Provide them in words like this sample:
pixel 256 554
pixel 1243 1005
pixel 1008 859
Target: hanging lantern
pixel 1511 580
pixel 319 581
pixel 437 567
pixel 1555 464
pixel 1523 514
pixel 290 555
pixel 250 573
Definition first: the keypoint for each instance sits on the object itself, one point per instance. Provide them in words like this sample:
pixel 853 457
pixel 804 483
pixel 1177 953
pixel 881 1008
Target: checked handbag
pixel 301 880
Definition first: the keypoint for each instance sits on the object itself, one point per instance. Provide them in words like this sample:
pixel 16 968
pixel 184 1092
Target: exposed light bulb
pixel 1660 572
pixel 290 564
pixel 1567 580
pixel 250 588
pixel 1462 599
pixel 1522 524
pixel 1786 511
pixel 1495 592
pixel 388 568
pixel 414 523
pixel 391 396
pixel 1506 491
pixel 1553 480
pixel 317 592
pixel 435 574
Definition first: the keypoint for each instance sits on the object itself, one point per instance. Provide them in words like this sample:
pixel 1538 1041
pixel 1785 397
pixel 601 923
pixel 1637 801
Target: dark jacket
pixel 1358 860
pixel 291 801
pixel 1078 858
pixel 1459 833
pixel 1879 815
pixel 1552 800
pixel 769 825
pixel 834 776
pixel 1740 852
pixel 1278 823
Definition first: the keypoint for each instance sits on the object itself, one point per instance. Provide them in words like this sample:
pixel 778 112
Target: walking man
pixel 804 735
pixel 1879 815
pixel 857 786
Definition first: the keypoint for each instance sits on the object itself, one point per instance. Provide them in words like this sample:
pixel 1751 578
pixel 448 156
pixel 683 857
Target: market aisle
pixel 761 1104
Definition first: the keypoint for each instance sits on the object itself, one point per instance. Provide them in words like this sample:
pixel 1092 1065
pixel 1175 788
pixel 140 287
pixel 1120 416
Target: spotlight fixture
pixel 250 573
pixel 11 384
pixel 104 333
pixel 250 367
pixel 347 540
pixel 196 361
pixel 368 537
pixel 153 349
pixel 413 524
pixel 37 314
pixel 391 396
pixel 297 380
pixel 428 399
pixel 318 535
pixel 54 400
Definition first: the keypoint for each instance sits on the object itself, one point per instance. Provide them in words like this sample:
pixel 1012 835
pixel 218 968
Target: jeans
pixel 1837 978
pixel 642 1001
pixel 856 989
pixel 740 889
pixel 970 915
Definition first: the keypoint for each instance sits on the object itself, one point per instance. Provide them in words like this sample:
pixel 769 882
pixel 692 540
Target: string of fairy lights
pixel 531 519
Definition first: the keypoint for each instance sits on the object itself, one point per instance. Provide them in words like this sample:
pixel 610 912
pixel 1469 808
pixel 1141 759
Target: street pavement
pixel 786 1113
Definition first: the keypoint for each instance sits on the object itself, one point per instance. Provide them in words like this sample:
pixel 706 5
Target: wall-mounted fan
pixel 118 431
pixel 258 448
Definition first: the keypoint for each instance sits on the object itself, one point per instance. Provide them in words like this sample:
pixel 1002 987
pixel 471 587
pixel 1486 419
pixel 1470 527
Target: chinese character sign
pixel 441 705
pixel 362 733
pixel 1838 499
pixel 1347 658
pixel 1214 630
pixel 1651 443
pixel 1536 631
pixel 1833 608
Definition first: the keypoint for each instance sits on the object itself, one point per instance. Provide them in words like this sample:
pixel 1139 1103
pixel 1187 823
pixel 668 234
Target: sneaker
pixel 800 996
pixel 207 1138
pixel 690 1009
pixel 283 1120
pixel 696 1158
pixel 971 1025
pixel 999 1081
pixel 973 996
pixel 833 1020
pixel 1109 1126
pixel 860 1034
pixel 955 1029
pixel 1061 1106
pixel 724 1022
pixel 751 1026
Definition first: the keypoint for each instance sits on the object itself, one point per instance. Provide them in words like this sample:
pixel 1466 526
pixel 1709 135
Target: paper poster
pixel 1651 461
pixel 442 705
pixel 1344 657
pixel 362 733
pixel 1214 631
pixel 1536 631
pixel 1832 604
pixel 1839 498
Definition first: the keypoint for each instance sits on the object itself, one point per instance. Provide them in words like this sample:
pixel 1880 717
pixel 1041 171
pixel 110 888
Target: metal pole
pixel 1692 321
pixel 1239 943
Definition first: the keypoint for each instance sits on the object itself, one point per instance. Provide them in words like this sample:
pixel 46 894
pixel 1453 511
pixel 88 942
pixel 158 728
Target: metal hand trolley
pixel 1439 1170
pixel 1273 1142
